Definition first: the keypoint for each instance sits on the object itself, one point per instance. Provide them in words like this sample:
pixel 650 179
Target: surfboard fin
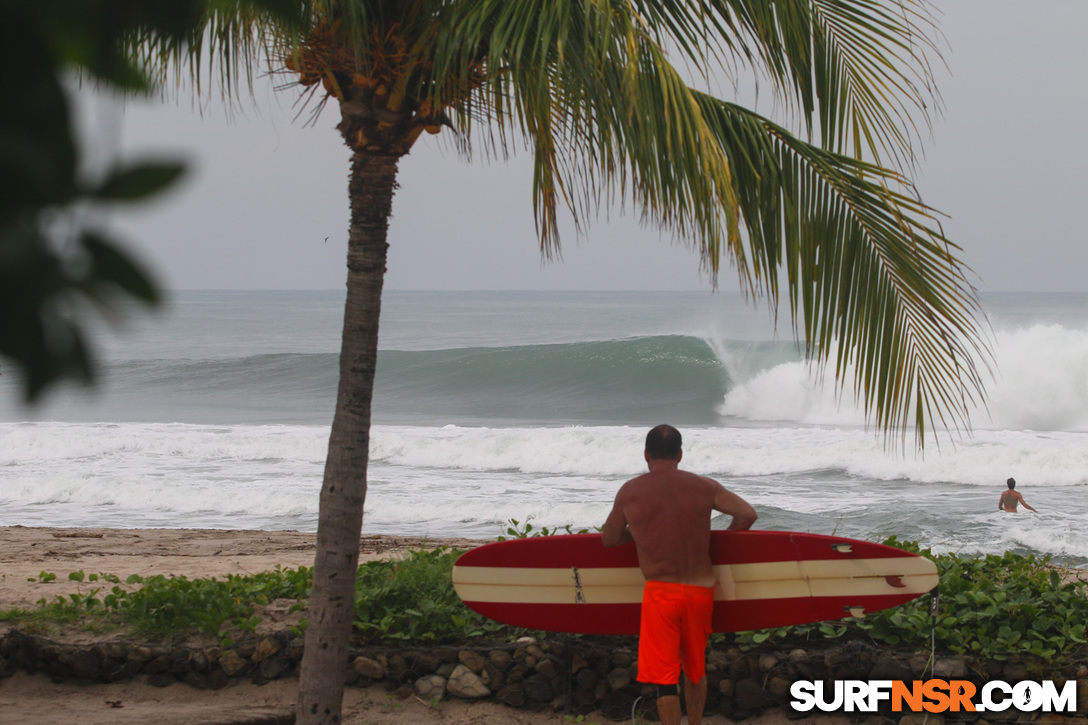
pixel 842 548
pixel 857 612
pixel 895 580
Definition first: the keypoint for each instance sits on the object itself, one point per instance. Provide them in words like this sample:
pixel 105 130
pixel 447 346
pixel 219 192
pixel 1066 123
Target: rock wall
pixel 565 675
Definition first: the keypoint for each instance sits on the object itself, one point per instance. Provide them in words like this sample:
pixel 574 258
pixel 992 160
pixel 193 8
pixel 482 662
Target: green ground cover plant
pixel 990 606
pixel 412 600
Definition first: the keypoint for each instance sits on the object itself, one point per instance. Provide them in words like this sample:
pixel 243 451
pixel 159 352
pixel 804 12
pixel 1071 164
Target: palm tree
pixel 596 91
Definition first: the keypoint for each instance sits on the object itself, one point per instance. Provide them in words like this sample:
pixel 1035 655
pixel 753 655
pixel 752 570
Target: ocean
pixel 492 406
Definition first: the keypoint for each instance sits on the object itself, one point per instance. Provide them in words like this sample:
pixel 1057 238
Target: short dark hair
pixel 1011 483
pixel 663 443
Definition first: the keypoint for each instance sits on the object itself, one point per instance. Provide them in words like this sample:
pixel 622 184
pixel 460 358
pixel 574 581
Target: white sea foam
pixel 805 461
pixel 1041 384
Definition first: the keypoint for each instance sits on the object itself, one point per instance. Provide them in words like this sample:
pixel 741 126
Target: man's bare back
pixel 1010 498
pixel 667 512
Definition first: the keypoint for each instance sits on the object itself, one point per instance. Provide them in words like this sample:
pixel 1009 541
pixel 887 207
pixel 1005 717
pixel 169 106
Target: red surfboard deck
pixel 572 583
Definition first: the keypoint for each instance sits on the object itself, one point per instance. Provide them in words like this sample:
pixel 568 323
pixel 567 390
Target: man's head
pixel 1011 483
pixel 663 443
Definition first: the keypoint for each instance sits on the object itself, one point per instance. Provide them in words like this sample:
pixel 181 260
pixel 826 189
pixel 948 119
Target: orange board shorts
pixel 673 633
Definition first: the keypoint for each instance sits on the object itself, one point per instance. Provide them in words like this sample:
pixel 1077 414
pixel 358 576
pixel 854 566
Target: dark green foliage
pixel 53 264
pixel 991 606
pixel 409 600
pixel 177 604
pixel 412 600
pixel 168 605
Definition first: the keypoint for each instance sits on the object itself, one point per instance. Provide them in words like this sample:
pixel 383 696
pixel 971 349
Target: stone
pixel 538 688
pixel 727 687
pixel 199 662
pixel 751 697
pixel 425 662
pixel 466 684
pixel 272 668
pixel 431 687
pixel 295 648
pixel 767 663
pixel 217 680
pixel 161 679
pixel 472 660
pixel 157 664
pixel 232 663
pixel 500 658
pixel 587 679
pixel 370 668
pixel 85 664
pixel 196 680
pixel 140 654
pixel 548 668
pixel 446 654
pixel 181 660
pixel 245 649
pixel 397 666
pixel 779 687
pixel 118 671
pixel 715 661
pixel 511 696
pixel 619 678
pixel 266 648
pixel 798 657
pixel 494 677
pixel 617 705
pixel 887 667
pixel 949 668
pixel 921 719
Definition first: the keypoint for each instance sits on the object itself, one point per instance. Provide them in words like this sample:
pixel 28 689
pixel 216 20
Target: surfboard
pixel 572 583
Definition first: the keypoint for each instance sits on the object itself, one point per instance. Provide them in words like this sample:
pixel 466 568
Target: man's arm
pixel 1001 502
pixel 733 505
pixel 1029 508
pixel 615 531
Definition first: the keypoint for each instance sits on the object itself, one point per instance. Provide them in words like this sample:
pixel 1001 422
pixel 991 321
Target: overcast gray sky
pixel 1006 163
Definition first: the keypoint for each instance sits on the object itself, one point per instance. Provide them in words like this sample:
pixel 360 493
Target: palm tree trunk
pixel 340 517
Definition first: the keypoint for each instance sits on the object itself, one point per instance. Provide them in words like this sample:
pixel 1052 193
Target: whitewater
pixel 533 406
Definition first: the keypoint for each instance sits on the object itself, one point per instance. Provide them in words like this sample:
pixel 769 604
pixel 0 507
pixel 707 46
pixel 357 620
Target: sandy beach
pixel 26 552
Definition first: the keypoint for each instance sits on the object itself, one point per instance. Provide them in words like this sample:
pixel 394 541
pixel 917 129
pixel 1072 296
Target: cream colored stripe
pixel 738 582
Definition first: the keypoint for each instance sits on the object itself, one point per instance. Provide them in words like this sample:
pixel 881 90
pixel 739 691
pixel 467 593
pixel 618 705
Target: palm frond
pixel 869 272
pixel 858 72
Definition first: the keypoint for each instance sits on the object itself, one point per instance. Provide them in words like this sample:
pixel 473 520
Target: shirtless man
pixel 666 512
pixel 1010 498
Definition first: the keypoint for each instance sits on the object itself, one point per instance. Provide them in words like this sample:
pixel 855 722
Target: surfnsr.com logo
pixel 933 696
